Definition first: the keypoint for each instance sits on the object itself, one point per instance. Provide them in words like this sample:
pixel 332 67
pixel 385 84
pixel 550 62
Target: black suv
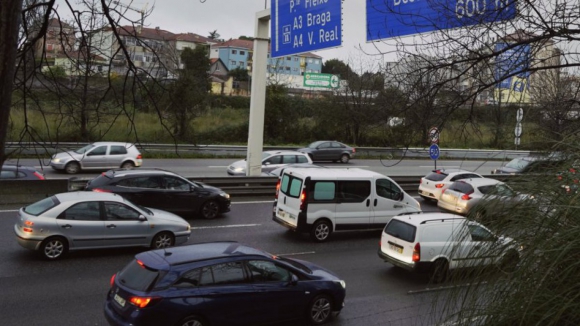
pixel 164 190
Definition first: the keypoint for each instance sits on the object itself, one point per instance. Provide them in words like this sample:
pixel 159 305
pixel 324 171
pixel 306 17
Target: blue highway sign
pixel 392 18
pixel 434 151
pixel 299 26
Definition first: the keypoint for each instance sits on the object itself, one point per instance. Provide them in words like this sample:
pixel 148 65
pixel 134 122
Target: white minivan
pixel 321 201
pixel 436 243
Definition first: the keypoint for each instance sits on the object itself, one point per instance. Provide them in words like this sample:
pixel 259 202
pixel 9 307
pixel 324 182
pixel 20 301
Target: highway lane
pixel 217 167
pixel 72 291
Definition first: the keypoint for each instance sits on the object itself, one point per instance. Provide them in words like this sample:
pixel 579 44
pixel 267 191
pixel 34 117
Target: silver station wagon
pixel 98 156
pixel 86 220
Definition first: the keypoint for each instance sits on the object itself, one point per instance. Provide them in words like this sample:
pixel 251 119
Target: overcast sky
pixel 233 18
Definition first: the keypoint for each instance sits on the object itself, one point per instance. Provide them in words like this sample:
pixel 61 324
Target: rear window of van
pixel 291 186
pixel 401 230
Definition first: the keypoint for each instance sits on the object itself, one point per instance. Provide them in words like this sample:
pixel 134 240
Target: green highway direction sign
pixel 312 79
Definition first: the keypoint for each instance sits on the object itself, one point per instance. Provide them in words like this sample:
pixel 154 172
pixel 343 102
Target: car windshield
pixel 295 264
pixel 518 164
pixel 315 144
pixel 265 155
pixel 143 208
pixel 84 149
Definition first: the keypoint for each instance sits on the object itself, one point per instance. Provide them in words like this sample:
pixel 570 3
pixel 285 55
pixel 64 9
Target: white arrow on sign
pixel 518 131
pixel 520 115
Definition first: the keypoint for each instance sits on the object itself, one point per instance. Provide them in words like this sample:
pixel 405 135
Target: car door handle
pixel 375 202
pixel 369 202
pixel 66 226
pixel 111 226
pixel 398 206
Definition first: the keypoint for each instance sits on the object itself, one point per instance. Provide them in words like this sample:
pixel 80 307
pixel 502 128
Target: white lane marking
pixel 441 288
pixel 224 226
pixel 8 211
pixel 217 166
pixel 440 167
pixel 297 253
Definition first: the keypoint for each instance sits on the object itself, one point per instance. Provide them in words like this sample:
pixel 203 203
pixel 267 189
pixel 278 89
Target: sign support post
pixel 258 96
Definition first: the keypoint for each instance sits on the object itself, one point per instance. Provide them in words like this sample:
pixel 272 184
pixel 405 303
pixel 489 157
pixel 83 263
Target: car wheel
pixel 210 209
pixel 127 165
pixel 320 310
pixel 344 158
pixel 440 271
pixel 321 231
pixel 54 248
pixel 509 261
pixel 192 321
pixel 72 168
pixel 162 240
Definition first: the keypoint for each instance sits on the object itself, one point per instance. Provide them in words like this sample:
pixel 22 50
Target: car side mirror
pixel 191 188
pixel 294 280
pixel 266 163
pixel 142 218
pixel 399 196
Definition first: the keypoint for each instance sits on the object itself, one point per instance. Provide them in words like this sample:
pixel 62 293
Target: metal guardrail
pixel 265 186
pixel 240 151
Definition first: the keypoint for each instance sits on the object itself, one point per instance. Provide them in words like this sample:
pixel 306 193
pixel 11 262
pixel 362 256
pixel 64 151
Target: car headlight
pixel 342 283
pixel 188 227
pixel 56 160
pixel 226 195
pixel 239 169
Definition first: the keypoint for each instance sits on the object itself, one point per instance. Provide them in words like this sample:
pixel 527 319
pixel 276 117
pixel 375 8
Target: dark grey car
pixel 20 172
pixel 329 150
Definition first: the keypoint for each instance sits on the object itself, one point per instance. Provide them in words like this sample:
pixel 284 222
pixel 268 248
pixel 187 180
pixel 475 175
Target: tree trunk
pixel 9 23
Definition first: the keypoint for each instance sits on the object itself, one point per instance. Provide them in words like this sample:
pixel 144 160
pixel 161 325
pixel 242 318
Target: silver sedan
pixel 86 220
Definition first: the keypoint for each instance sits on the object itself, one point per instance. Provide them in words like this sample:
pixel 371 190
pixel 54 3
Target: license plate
pixel 395 248
pixel 119 300
pixel 282 213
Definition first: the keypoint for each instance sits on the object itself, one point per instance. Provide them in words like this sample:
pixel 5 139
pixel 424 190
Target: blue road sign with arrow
pixel 434 151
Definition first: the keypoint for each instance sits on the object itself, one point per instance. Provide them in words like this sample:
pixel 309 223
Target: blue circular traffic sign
pixel 434 151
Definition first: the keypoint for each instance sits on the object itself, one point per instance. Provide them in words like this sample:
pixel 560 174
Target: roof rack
pixel 442 219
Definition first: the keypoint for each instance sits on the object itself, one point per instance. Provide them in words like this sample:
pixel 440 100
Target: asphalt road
pixel 72 291
pixel 217 167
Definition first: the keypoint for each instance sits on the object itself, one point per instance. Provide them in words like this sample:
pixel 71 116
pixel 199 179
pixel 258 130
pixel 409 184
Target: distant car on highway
pixel 433 184
pixel 271 160
pixel 98 156
pixel 221 283
pixel 164 190
pixel 20 172
pixel 88 220
pixel 527 164
pixel 329 150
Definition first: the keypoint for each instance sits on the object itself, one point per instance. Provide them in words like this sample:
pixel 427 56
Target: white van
pixel 321 201
pixel 436 243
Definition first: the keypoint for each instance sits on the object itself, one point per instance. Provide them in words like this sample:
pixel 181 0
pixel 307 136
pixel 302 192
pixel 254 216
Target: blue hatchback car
pixel 221 283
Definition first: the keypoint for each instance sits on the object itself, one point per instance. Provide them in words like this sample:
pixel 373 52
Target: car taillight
pixel 277 189
pixel 143 302
pixel 113 279
pixel 417 252
pixel 303 200
pixel 354 150
pixel 466 196
pixel 439 185
pixel 25 229
pixel 101 190
pixel 139 157
pixel 38 175
pixel 29 223
pixel 421 181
